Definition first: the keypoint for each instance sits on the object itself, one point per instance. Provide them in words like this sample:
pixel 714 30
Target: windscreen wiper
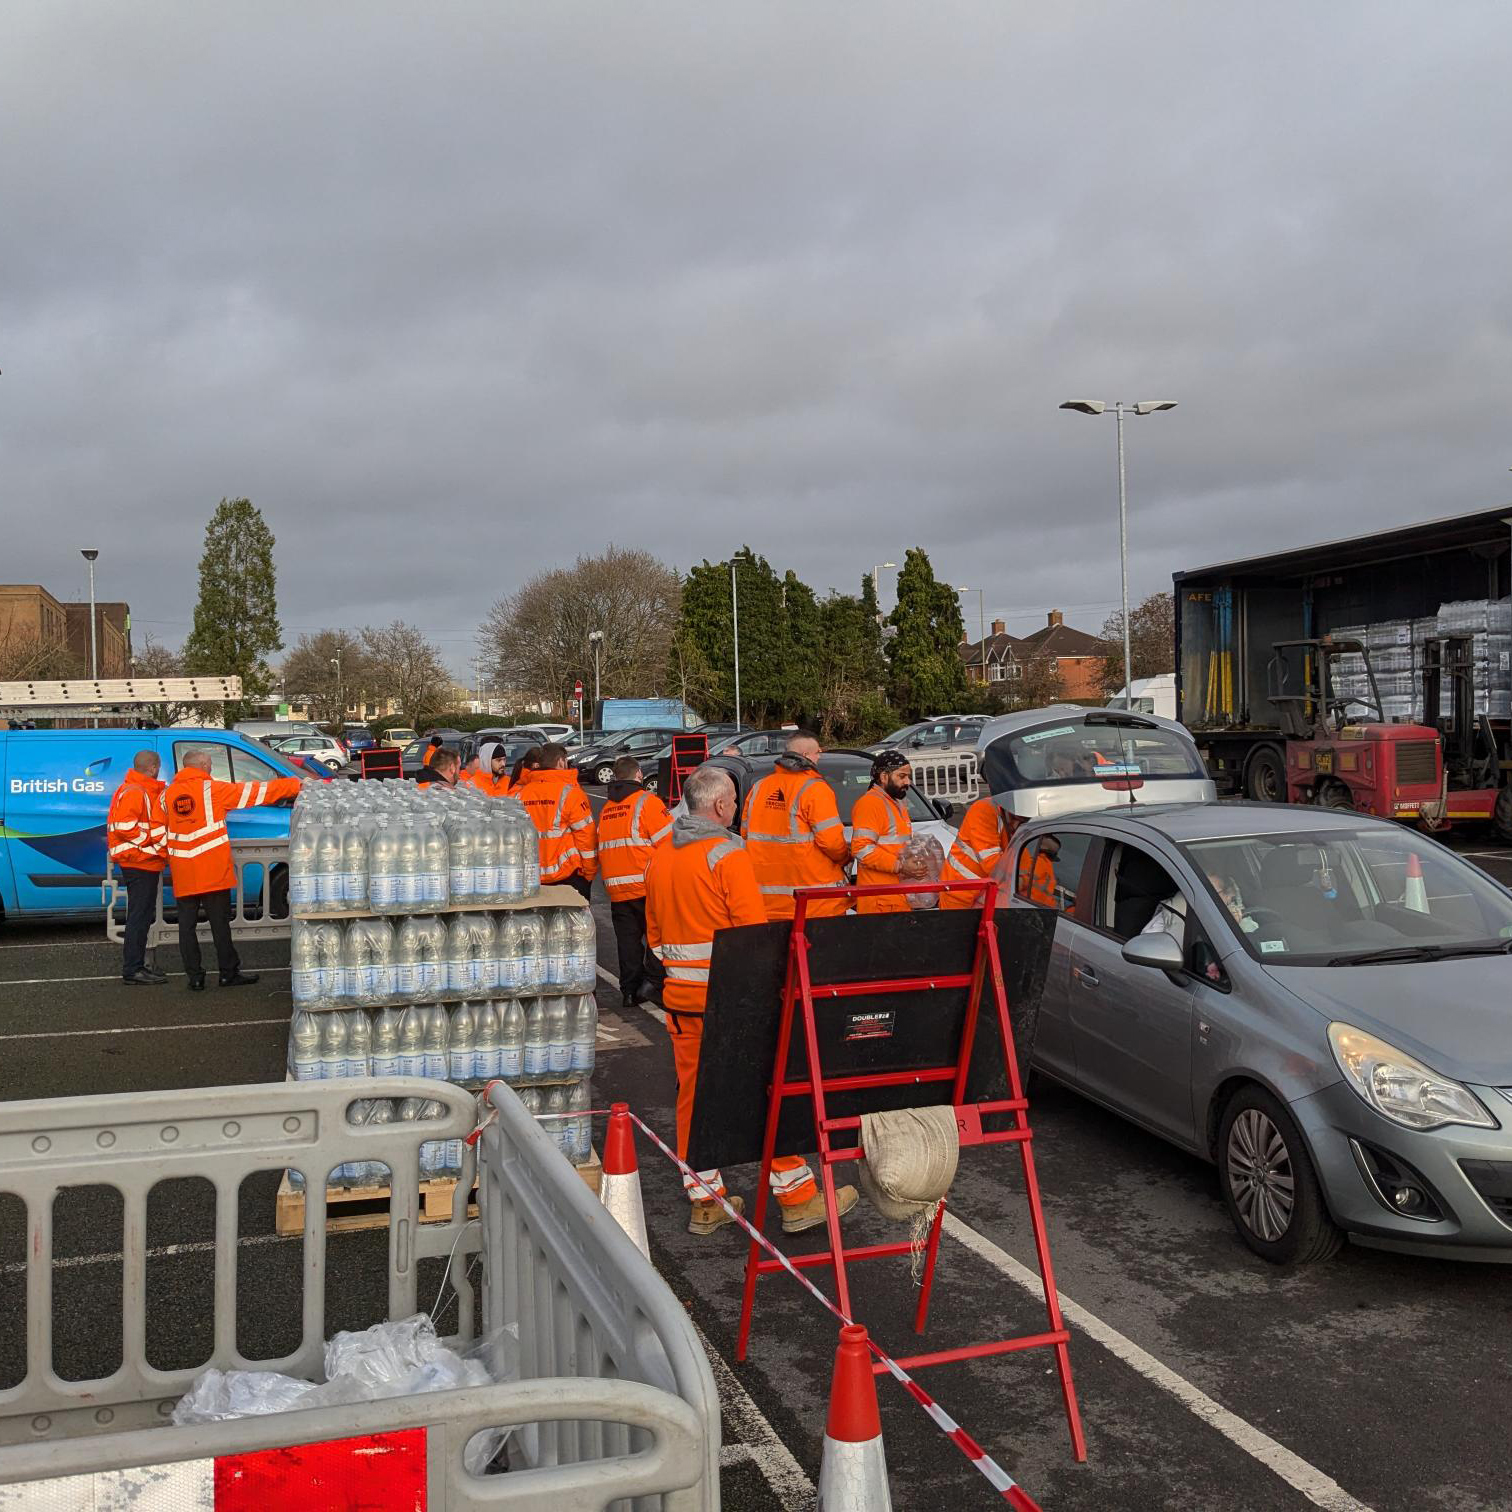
pixel 1421 953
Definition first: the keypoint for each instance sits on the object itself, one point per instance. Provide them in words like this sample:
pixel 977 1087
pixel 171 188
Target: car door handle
pixel 1085 975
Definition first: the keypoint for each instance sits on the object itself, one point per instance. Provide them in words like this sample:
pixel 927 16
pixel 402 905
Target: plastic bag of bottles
pixel 921 859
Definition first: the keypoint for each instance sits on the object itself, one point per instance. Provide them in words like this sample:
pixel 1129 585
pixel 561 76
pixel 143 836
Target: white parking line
pixel 157 1252
pixel 144 1029
pixel 651 1008
pixel 759 1443
pixel 1320 1489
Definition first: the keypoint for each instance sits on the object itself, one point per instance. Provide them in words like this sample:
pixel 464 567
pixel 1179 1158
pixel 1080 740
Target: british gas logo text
pixel 56 785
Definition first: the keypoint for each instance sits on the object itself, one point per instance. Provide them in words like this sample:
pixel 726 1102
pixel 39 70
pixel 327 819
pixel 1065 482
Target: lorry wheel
pixel 1333 795
pixel 1265 776
pixel 1501 815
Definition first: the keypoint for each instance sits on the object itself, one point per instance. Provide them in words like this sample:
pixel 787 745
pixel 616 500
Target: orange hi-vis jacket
pixel 629 830
pixel 485 781
pixel 880 828
pixel 135 834
pixel 794 838
pixel 978 844
pixel 563 817
pixel 195 806
pixel 698 884
pixel 1036 879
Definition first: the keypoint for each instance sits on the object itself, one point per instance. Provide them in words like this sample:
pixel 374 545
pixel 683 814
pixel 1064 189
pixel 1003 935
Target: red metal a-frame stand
pixel 798 998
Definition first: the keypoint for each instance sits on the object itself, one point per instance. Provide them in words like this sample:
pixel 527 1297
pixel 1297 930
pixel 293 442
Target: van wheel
pixel 1265 776
pixel 1269 1186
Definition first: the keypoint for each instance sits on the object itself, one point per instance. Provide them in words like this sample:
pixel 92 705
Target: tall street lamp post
pixel 1143 407
pixel 735 628
pixel 877 569
pixel 595 639
pixel 340 701
pixel 981 627
pixel 94 655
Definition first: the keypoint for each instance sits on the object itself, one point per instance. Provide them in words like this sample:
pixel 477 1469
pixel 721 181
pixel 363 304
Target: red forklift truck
pixel 1341 752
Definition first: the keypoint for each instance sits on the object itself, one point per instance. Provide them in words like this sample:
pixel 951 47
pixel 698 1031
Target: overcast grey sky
pixel 454 292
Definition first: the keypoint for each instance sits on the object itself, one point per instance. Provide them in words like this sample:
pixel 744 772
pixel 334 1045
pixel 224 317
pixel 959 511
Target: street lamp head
pixel 1149 406
pixel 1085 406
pixel 89 556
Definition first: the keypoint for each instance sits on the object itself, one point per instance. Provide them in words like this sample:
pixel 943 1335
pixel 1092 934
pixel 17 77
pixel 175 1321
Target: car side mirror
pixel 916 741
pixel 1157 950
pixel 944 807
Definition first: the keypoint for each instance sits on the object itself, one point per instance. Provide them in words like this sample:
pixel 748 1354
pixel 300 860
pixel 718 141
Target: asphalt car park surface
pixel 1207 1379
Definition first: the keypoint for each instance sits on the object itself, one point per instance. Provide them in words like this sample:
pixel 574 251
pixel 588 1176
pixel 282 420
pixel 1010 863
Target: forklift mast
pixel 1310 708
pixel 1469 742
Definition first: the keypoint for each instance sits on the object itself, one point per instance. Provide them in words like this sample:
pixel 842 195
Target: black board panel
pixel 869 1033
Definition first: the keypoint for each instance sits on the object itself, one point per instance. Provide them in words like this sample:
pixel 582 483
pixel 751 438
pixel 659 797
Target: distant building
pixel 1000 659
pixel 31 619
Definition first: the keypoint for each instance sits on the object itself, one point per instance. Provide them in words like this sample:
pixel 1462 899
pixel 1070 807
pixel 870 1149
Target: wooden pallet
pixel 351 1209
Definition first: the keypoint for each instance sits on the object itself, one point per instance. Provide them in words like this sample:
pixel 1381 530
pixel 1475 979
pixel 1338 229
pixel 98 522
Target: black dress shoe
pixel 197 983
pixel 145 978
pixel 241 979
pixel 629 1000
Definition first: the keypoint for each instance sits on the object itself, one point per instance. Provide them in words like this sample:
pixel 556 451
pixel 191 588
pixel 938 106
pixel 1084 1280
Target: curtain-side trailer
pixel 1430 606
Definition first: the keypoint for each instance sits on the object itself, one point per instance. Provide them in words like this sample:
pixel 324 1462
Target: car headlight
pixel 1401 1088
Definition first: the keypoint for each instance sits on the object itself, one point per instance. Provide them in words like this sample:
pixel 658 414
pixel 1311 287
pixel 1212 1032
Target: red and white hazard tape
pixel 998 1478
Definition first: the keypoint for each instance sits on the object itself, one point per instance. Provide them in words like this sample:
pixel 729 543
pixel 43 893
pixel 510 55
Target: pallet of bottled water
pixel 358 848
pixel 378 962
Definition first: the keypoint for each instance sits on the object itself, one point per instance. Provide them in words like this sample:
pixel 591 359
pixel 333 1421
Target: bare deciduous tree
pixel 407 668
pixel 153 659
pixel 330 668
pixel 536 640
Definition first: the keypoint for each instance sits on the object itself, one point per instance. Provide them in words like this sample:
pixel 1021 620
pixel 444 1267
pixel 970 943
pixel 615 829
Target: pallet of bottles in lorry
pixel 363 848
pixel 1397 658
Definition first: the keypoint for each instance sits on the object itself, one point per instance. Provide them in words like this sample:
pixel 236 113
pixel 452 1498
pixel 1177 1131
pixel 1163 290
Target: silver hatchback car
pixel 1318 1002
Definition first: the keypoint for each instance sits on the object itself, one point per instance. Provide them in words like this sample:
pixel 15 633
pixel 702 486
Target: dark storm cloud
pixel 456 292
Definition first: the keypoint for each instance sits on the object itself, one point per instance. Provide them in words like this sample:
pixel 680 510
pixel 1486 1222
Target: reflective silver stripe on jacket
pixel 717 853
pixel 700 950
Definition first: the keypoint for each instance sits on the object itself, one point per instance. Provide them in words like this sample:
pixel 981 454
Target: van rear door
pixel 57 793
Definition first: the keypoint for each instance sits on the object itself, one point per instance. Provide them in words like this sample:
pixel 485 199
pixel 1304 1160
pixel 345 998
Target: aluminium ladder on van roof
pixel 88 693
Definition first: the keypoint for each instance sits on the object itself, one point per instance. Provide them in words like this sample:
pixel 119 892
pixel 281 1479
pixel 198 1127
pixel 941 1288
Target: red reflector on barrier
pixel 380 1472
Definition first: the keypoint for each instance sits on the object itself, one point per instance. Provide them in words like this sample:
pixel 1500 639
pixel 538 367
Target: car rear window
pixel 1071 751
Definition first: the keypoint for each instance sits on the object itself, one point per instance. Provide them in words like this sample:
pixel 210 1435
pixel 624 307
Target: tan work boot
pixel 810 1214
pixel 708 1215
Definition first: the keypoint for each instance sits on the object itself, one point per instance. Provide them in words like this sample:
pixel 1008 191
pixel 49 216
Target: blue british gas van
pixel 55 791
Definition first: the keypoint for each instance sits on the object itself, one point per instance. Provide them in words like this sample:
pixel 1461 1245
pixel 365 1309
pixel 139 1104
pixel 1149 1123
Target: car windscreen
pixel 1072 751
pixel 1342 897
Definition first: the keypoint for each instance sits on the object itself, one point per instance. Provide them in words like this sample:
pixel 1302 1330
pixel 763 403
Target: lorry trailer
pixel 1371 672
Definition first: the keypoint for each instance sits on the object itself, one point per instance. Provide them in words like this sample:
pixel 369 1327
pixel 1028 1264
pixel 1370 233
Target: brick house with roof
pixel 999 661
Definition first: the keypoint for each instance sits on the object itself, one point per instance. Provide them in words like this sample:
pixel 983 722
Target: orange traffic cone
pixel 619 1187
pixel 1415 892
pixel 853 1477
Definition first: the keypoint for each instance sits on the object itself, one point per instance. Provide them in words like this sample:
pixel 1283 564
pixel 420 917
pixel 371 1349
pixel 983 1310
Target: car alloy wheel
pixel 604 775
pixel 1260 1175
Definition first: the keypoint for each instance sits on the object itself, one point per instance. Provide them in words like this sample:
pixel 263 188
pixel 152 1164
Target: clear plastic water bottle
pixel 412 1110
pixel 558 1037
pixel 331 941
pixel 533 953
pixel 354 867
pixel 303 893
pixel 485 862
pixel 459 835
pixel 375 1172
pixel 405 958
pixel 486 1042
pixel 356 951
pixel 306 983
pixel 436 1047
pixel 531 1097
pixel 559 1128
pixel 304 1048
pixel 333 1046
pixel 483 949
pixel 359 1042
pixel 412 1042
pixel 458 957
pixel 430 960
pixel 584 1034
pixel 512 847
pixel 531 841
pixel 383 867
pixel 580 1145
pixel 385 1059
pixel 329 889
pixel 558 947
pixel 509 971
pixel 584 934
pixel 537 1046
pixel 461 1037
pixel 407 869
pixel 435 866
pixel 512 1042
